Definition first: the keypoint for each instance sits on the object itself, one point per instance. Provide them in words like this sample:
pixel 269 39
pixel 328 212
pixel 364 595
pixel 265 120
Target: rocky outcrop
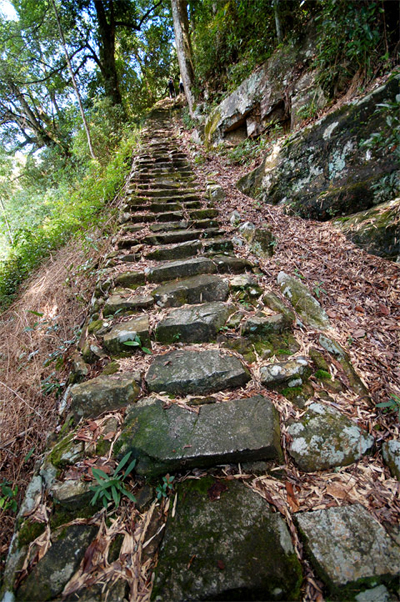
pixel 376 230
pixel 338 166
pixel 282 91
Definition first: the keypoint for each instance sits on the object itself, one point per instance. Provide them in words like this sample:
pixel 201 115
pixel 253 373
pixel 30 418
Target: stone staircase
pixel 191 356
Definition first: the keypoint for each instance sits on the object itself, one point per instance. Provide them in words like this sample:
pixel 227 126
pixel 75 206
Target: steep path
pixel 256 477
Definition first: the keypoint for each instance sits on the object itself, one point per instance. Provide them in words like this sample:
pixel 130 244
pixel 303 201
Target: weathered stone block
pixel 224 543
pixel 104 393
pixel 167 440
pixel 195 372
pixel 193 324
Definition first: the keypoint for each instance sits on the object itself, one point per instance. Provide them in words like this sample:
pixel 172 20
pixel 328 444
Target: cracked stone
pixel 193 324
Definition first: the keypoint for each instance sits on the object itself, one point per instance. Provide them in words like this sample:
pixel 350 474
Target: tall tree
pixel 78 96
pixel 184 49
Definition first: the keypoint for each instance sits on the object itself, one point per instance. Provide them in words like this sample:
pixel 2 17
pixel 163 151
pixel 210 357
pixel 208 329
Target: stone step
pixel 169 226
pixel 193 324
pixel 197 289
pixel 225 543
pixel 179 251
pixel 196 372
pixel 217 245
pixel 127 302
pixel 181 269
pixel 227 264
pixel 180 236
pixel 203 214
pixel 162 206
pixel 174 439
pixel 114 341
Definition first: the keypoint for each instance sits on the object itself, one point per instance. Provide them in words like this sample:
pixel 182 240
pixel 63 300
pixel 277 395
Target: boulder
pixel 376 230
pixel 325 438
pixel 391 455
pixel 224 543
pixel 281 91
pixel 308 308
pixel 349 549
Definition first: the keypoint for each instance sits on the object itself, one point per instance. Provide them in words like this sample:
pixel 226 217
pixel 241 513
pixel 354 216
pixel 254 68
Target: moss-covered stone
pixel 111 368
pixel 325 438
pixel 67 451
pixel 29 531
pixel 55 569
pixel 95 326
pixel 303 302
pixel 349 549
pixel 234 546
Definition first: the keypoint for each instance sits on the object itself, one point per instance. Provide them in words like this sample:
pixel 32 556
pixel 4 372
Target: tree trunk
pixel 107 51
pixel 85 123
pixel 184 49
pixel 278 25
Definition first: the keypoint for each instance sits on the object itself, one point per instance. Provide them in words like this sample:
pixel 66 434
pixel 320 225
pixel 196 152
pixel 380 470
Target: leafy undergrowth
pixel 39 332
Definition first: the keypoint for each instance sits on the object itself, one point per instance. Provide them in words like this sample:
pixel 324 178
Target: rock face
pixel 325 438
pixel 225 544
pixel 278 92
pixel 326 170
pixel 195 372
pixel 376 230
pixel 53 572
pixel 167 440
pixel 303 302
pixel 91 398
pixel 349 548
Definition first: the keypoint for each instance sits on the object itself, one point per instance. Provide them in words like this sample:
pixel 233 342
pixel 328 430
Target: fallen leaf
pixel 215 491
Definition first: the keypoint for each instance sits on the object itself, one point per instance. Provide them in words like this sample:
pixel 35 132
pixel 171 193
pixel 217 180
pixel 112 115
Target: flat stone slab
pixel 195 324
pixel 114 341
pixel 224 543
pixel 198 289
pixel 126 303
pixel 303 302
pixel 291 373
pixel 195 372
pixel 349 548
pixel 49 577
pixel 181 269
pixel 179 251
pixel 325 438
pixel 173 439
pixel 104 393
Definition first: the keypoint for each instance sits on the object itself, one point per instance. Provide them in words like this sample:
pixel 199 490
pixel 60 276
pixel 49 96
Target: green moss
pixel 95 326
pixel 111 368
pixel 291 392
pixel 61 516
pixel 29 532
pixel 56 454
pixel 318 360
pixel 322 375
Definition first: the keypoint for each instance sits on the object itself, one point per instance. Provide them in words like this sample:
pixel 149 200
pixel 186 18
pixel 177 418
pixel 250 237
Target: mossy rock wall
pixel 327 169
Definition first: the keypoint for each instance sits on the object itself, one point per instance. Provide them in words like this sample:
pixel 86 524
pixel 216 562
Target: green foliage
pixel 8 496
pixel 165 487
pixel 351 37
pixel 111 488
pixel 318 289
pixel 231 37
pixel 393 405
pixel 59 199
pixel 137 342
